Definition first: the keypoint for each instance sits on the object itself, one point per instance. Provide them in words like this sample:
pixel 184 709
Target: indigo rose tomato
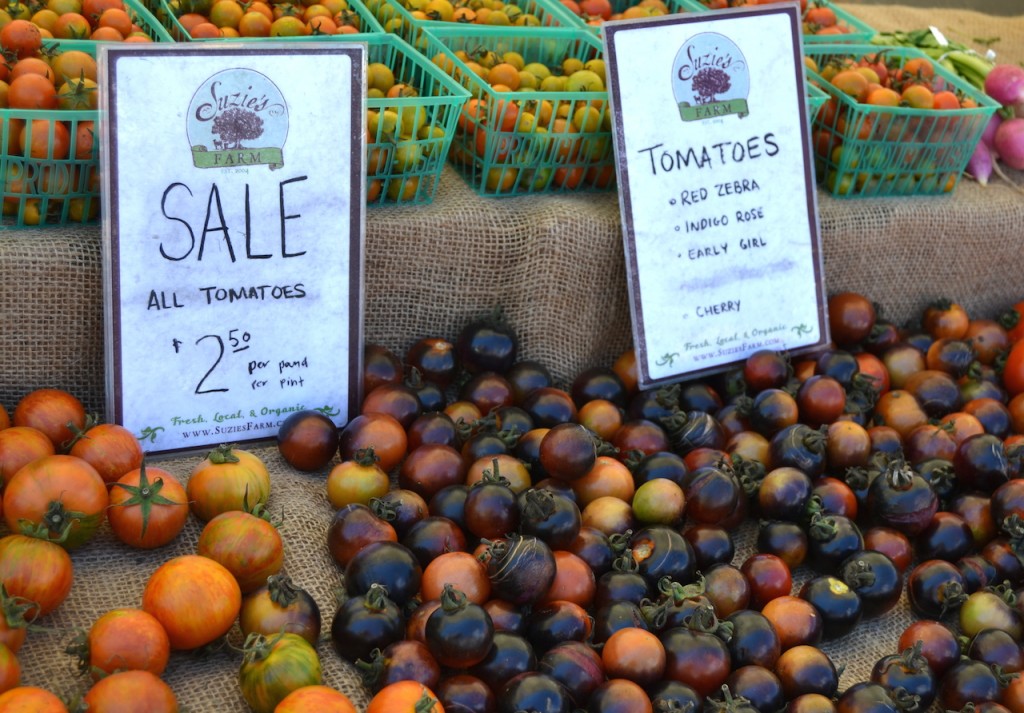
pixel 938 644
pixel 194 598
pixel 61 495
pixel 902 499
pixel 509 655
pixel 875 579
pixel 279 605
pixel 935 588
pixel 698 659
pixel 366 622
pixel 908 671
pixel 148 507
pixel 804 669
pixel 463 692
pixel 380 366
pixel 307 440
pixel 521 569
pixel 534 691
pixel 227 479
pixel 459 633
pixel 275 666
pixel 386 564
pixel 352 528
pixel 567 451
pixel 407 659
pixel 487 344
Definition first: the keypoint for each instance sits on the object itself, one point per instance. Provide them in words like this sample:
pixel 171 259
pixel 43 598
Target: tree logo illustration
pixel 710 78
pixel 237 118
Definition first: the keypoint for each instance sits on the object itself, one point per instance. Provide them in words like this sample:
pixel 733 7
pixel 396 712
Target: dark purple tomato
pixel 938 644
pixel 640 435
pixel 450 502
pixel 997 647
pixel 434 358
pixel 875 579
pixel 831 540
pixel 397 400
pixel 660 551
pixel 513 420
pixel 365 622
pixel 727 588
pixel 534 691
pixel 840 607
pixel 969 681
pixel 766 369
pixel 994 415
pixel 866 697
pixel 712 494
pixel 593 547
pixel 909 671
pixel 699 659
pixel 759 685
pixel 380 366
pixel 688 431
pixel 699 396
pixel 431 467
pixel 432 537
pixel 551 516
pixel 598 382
pixel 401 507
pixel 770 411
pixel 901 499
pixel 488 391
pixel 1001 553
pixel 753 641
pixel 936 392
pixel 784 539
pixel 935 588
pixel 801 447
pixel 651 405
pixel 487 344
pixel 621 583
pixel 783 494
pixel 576 666
pixel 568 451
pixel 663 464
pixel 526 376
pixel 549 406
pixel 806 669
pixel 432 427
pixel 353 527
pixel 977 572
pixel 883 335
pixel 403 660
pixel 521 569
pixel 712 544
pixel 669 695
pixel 509 656
pixel 1008 499
pixel 554 622
pixel 385 563
pixel 940 474
pixel 484 443
pixel 463 693
pixel 491 510
pixel 946 537
pixel 459 633
pixel 307 440
pixel 981 463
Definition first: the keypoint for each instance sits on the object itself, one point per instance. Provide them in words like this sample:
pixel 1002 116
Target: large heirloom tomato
pixel 129 691
pixel 19 446
pixel 54 412
pixel 194 598
pixel 229 479
pixel 124 640
pixel 247 545
pixel 63 494
pixel 275 667
pixel 111 449
pixel 35 570
pixel 148 508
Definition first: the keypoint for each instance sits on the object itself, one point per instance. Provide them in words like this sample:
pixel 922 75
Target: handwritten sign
pixel 716 189
pixel 233 237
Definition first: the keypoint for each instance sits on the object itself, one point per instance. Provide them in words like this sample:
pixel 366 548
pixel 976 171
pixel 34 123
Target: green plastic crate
pixel 514 143
pixel 406 169
pixel 815 98
pixel 855 31
pixel 395 16
pixel 572 19
pixel 169 11
pixel 864 150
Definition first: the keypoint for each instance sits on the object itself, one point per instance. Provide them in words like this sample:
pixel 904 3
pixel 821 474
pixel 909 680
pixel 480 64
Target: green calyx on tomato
pixel 78 433
pixel 452 599
pixel 16 610
pixel 224 453
pixel 145 495
pixel 366 457
pixel 43 531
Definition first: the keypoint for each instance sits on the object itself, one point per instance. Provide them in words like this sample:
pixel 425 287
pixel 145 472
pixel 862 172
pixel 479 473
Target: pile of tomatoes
pixel 595 12
pixel 210 19
pixel 495 13
pixel 100 20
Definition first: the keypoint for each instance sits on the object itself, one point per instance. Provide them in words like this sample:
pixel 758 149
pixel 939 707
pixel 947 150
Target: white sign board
pixel 716 188
pixel 233 237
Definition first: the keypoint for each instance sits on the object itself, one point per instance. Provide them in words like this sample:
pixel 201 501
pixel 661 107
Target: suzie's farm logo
pixel 237 117
pixel 710 78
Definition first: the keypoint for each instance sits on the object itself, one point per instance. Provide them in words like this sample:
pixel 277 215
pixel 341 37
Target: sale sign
pixel 716 188
pixel 233 237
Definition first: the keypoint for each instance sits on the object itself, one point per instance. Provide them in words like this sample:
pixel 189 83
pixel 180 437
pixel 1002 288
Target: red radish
pixel 990 129
pixel 980 165
pixel 1005 84
pixel 1009 143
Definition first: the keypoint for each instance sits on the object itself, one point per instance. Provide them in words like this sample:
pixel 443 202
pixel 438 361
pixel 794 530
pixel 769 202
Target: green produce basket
pixel 816 98
pixel 145 19
pixel 573 19
pixel 404 166
pixel 864 150
pixel 514 143
pixel 169 11
pixel 851 29
pixel 395 16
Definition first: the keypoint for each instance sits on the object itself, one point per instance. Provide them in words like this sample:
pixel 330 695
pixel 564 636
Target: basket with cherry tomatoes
pixel 896 123
pixel 198 20
pixel 592 14
pixel 821 20
pixel 538 119
pixel 49 157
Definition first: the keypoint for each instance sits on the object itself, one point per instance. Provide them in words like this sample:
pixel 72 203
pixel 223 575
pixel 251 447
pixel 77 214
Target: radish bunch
pixel 1003 139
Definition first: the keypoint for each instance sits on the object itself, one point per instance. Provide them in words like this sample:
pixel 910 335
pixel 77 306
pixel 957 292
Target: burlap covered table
pixel 555 265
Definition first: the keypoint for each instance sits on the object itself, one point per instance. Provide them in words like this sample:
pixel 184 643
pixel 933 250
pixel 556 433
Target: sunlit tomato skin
pixel 405 697
pixel 64 495
pixel 35 569
pixel 248 546
pixel 111 449
pixel 379 431
pixel 228 479
pixel 127 691
pixel 194 598
pixel 148 508
pixel 315 699
pixel 19 446
pixel 307 440
pixel 50 411
pixel 125 639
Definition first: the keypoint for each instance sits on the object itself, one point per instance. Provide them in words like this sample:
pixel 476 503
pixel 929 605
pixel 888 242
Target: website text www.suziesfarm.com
pixel 741 348
pixel 229 429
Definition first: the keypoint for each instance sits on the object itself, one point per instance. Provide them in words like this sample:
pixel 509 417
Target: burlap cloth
pixel 555 265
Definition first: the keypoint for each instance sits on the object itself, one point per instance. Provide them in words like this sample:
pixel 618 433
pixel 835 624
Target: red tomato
pixel 60 495
pixel 129 691
pixel 229 479
pixel 37 570
pixel 1013 372
pixel 10 669
pixel 126 639
pixel 247 545
pixel 31 700
pixel 111 449
pixel 194 598
pixel 148 508
pixel 51 410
